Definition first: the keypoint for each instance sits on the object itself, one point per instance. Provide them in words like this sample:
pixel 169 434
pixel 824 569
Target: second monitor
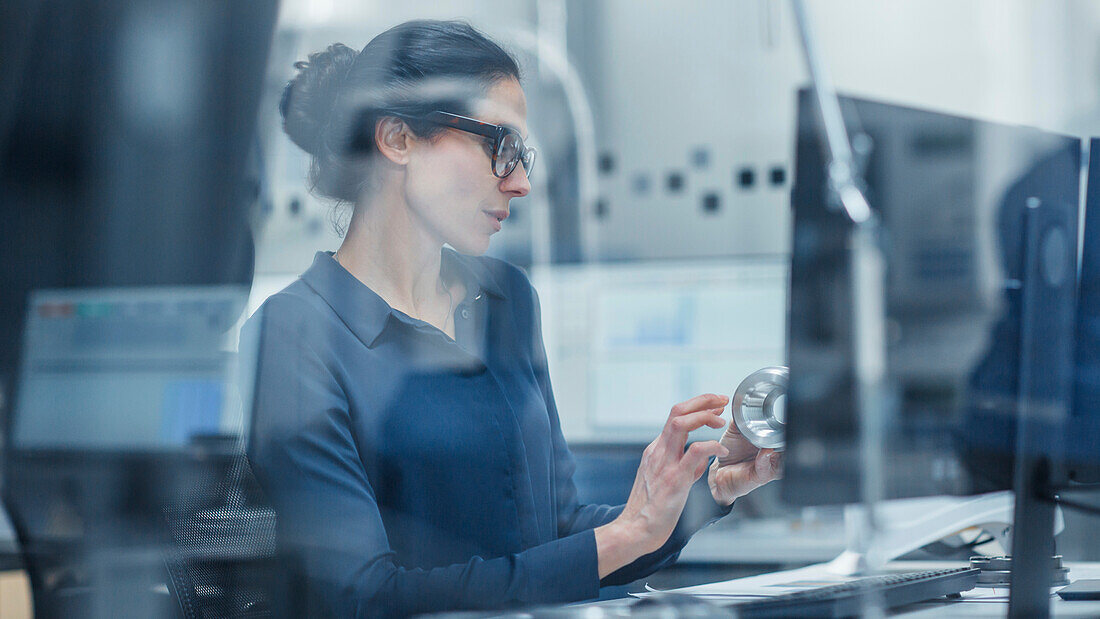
pixel 978 232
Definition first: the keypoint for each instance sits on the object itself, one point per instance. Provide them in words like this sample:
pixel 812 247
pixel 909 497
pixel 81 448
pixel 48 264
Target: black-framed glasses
pixel 508 147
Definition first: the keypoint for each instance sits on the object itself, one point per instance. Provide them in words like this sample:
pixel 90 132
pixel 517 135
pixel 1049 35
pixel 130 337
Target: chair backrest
pixel 221 554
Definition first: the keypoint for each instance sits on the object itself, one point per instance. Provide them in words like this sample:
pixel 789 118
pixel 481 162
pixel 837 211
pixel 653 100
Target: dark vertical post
pixel 1032 540
pixel 1045 372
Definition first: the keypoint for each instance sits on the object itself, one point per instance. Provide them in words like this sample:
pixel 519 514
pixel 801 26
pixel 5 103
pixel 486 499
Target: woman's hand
pixel 661 486
pixel 744 469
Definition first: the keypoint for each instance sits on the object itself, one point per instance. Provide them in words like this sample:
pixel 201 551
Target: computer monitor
pixel 978 222
pixel 125 467
pixel 128 370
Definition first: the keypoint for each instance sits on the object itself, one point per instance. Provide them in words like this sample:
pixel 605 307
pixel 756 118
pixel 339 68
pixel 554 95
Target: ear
pixel 393 139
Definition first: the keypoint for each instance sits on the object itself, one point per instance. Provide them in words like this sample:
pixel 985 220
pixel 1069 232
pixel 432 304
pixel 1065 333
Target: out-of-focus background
pixel 658 231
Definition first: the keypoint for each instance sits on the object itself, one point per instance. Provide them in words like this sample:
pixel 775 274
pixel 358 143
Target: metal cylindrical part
pixel 759 407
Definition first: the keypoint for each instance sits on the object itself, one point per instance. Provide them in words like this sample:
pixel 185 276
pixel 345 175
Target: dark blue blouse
pixel 415 473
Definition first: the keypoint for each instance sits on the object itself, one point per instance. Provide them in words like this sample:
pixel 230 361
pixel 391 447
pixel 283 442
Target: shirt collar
pixel 364 312
pixel 472 272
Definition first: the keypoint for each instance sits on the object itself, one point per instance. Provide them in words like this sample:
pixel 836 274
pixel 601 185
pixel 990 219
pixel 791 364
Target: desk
pixel 15 595
pixel 945 608
pixel 15 588
pixel 940 608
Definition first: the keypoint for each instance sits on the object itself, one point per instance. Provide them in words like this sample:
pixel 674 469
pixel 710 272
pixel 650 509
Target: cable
pixel 981 541
pixel 944 549
pixel 1084 507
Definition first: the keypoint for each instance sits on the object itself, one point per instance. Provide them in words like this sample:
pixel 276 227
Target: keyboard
pixel 848 599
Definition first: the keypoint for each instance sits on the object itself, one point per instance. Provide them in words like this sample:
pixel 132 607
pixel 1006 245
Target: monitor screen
pixel 954 197
pixel 127 369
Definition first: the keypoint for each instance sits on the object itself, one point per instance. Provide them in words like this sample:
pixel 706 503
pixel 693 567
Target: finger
pixel 741 449
pixel 698 454
pixel 698 403
pixel 767 465
pixel 677 428
pixel 777 464
pixel 733 431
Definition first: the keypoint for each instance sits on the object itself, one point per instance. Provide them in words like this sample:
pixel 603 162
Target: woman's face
pixel 450 187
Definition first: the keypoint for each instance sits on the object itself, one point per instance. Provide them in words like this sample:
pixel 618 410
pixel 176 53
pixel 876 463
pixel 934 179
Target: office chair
pixel 221 555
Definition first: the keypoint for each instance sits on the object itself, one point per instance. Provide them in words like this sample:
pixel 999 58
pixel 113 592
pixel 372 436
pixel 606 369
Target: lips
pixel 496 217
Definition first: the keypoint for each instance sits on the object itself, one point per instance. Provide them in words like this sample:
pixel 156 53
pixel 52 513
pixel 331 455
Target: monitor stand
pixel 1045 388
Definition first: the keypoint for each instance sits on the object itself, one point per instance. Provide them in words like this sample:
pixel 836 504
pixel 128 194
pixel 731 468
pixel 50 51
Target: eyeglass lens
pixel 510 152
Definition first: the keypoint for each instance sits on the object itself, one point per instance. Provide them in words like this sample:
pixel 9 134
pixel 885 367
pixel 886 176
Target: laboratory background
pixel 153 202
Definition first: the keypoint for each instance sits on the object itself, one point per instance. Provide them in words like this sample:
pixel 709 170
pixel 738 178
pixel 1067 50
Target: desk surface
pixel 999 607
pixel 986 607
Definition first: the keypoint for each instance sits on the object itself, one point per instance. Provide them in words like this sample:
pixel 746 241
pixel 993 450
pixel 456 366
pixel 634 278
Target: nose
pixel 516 184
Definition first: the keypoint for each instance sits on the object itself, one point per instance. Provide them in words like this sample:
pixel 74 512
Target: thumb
pixel 767 465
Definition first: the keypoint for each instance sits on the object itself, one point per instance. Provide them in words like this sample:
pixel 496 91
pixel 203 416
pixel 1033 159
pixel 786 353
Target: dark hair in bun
pixel 409 70
pixel 309 98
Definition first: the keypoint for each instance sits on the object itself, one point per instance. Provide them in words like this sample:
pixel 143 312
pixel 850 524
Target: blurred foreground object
pixel 127 145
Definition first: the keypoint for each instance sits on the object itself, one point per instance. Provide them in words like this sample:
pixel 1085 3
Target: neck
pixel 388 250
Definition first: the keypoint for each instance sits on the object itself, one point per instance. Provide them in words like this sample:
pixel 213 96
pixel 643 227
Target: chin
pixel 471 246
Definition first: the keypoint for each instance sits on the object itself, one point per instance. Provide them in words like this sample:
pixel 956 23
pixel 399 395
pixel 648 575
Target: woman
pixel 404 424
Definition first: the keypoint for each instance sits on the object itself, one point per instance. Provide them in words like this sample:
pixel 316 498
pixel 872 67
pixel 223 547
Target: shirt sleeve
pixel 574 517
pixel 304 454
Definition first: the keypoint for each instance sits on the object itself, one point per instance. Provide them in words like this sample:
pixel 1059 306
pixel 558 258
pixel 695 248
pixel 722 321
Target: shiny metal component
pixel 996 572
pixel 759 407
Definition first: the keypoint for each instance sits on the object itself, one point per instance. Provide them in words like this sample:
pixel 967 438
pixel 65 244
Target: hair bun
pixel 309 98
